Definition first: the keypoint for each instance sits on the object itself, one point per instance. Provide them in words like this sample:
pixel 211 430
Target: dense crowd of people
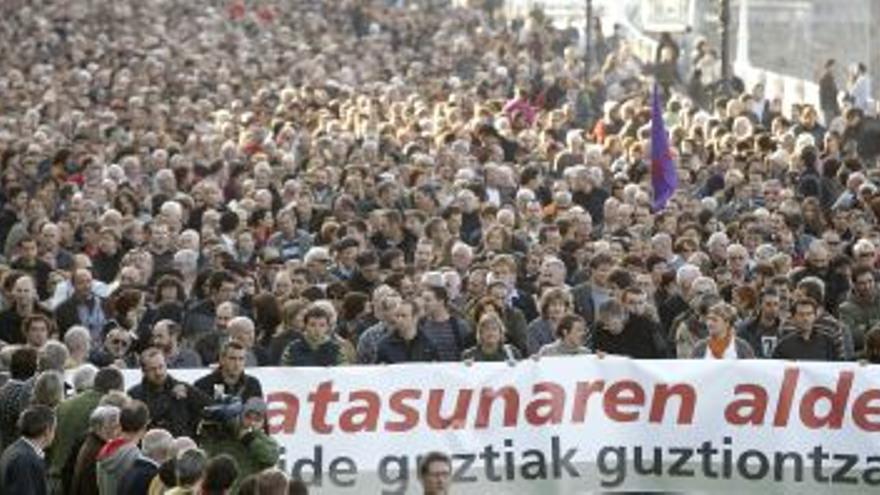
pixel 324 183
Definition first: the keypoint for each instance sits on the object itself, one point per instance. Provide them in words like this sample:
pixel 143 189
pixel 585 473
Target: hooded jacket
pixel 114 459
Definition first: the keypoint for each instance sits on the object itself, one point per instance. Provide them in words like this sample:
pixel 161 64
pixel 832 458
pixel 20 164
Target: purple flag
pixel 664 176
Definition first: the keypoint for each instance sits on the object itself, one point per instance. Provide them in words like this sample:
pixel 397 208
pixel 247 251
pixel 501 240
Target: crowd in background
pixel 226 185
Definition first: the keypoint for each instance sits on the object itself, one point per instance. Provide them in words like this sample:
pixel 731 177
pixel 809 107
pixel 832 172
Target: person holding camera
pixel 241 436
pixel 174 405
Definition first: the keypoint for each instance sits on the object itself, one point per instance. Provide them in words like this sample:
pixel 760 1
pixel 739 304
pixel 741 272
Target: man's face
pixel 600 275
pixel 820 259
pixel 437 477
pixel 804 316
pixel 29 250
pixel 24 291
pixel 161 338
pixel 225 293
pixel 316 329
pixel 404 320
pixel 37 334
pixel 244 335
pixel 108 244
pixel 576 335
pixel 346 256
pixel 154 369
pixel 636 303
pixel 424 255
pixel 232 362
pixel 222 317
pixel 430 302
pixel 160 237
pixel 82 284
pixel 298 284
pixel 50 236
pixel 551 275
pixel 770 306
pixel 371 272
pixel 865 285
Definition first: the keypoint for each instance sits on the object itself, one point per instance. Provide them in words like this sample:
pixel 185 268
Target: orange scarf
pixel 717 345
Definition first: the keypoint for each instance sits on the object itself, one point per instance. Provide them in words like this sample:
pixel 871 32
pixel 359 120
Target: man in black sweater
pixel 807 343
pixel 229 379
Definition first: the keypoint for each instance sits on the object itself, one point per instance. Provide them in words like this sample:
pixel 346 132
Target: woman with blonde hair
pixel 490 342
pixel 722 342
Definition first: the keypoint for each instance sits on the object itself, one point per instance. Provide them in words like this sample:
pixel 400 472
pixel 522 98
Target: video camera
pixel 224 416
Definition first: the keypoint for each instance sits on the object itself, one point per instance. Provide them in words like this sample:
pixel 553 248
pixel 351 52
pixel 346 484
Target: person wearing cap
pixel 252 448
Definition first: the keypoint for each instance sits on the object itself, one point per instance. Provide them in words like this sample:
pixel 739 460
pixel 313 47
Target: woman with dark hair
pixel 289 330
pixel 353 311
pixel 570 336
pixel 262 224
pixel 871 353
pixel 555 303
pixel 267 321
pixel 127 308
pixel 169 292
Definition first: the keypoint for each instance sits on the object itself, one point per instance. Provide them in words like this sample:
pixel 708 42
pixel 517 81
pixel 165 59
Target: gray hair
pixel 52 357
pixel 181 444
pixel 190 467
pixel 114 398
pixel 187 258
pixel 84 377
pixel 316 252
pixel 48 389
pixel 157 445
pixel 77 337
pixel 240 322
pixel 103 416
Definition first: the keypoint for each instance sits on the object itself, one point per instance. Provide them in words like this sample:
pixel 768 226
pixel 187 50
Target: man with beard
pixel 174 405
pixel 208 344
pixel 166 337
pixel 200 317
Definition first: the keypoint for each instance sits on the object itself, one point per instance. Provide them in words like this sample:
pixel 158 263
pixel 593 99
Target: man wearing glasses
pixel 435 474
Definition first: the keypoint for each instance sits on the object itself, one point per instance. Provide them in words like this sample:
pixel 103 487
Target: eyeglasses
pixel 121 342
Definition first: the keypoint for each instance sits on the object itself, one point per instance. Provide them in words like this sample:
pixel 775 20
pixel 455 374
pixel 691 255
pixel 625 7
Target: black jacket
pixel 136 481
pixel 300 353
pixel 22 471
pixel 638 339
pixel 393 349
pixel 247 386
pixel 179 416
pixel 66 314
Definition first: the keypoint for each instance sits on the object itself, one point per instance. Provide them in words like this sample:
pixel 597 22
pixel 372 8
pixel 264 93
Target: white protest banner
pixel 581 425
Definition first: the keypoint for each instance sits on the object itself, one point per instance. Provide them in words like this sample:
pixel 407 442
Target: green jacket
pixel 73 423
pixel 253 453
pixel 860 317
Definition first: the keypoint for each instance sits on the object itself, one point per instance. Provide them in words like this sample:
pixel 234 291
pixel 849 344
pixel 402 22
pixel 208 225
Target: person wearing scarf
pixel 722 342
